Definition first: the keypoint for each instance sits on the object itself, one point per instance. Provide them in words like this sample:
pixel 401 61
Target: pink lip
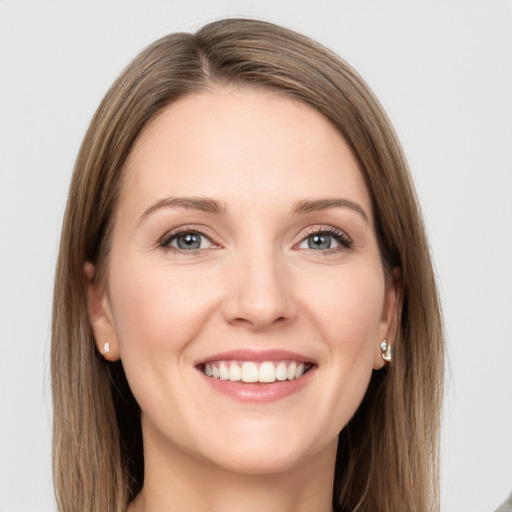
pixel 256 356
pixel 258 392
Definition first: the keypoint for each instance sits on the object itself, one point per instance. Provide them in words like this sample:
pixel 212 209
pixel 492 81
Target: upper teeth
pixel 249 371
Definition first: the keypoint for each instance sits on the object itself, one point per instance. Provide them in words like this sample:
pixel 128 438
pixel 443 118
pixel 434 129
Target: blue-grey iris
pixel 189 241
pixel 319 241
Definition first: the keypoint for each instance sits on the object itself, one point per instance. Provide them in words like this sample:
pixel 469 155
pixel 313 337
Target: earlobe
pixel 100 316
pixel 389 322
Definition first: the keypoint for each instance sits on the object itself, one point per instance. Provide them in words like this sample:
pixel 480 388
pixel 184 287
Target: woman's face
pixel 244 248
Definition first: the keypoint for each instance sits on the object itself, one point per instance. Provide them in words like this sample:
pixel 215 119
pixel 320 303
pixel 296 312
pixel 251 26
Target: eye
pixel 325 240
pixel 187 241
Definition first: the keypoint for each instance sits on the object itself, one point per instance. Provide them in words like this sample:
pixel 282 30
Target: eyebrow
pixel 203 204
pixel 215 207
pixel 307 206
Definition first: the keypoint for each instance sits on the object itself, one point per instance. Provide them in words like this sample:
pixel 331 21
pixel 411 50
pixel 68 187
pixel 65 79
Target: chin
pixel 269 451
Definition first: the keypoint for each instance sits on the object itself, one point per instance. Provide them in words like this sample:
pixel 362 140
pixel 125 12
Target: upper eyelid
pixel 323 228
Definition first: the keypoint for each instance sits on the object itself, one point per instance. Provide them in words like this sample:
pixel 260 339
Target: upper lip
pixel 255 355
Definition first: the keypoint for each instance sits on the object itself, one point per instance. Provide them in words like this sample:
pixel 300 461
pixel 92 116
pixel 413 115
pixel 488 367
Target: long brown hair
pixel 388 453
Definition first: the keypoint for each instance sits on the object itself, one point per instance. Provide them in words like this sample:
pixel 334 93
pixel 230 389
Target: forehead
pixel 243 144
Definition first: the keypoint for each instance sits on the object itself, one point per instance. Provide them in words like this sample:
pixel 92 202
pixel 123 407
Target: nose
pixel 259 292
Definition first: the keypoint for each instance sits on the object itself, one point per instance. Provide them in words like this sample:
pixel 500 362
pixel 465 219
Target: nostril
pixel 259 321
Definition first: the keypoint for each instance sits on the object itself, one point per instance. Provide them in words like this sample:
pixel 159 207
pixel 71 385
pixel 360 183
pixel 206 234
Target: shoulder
pixel 506 506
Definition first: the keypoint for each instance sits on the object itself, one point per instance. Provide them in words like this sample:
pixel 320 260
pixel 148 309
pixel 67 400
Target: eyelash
pixel 340 237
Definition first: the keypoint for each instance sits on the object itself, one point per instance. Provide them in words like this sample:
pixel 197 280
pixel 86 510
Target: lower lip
pixel 259 392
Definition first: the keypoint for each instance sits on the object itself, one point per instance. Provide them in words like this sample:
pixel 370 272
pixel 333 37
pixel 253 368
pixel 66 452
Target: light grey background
pixel 443 70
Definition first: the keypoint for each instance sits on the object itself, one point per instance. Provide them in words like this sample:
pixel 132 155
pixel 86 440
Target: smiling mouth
pixel 252 371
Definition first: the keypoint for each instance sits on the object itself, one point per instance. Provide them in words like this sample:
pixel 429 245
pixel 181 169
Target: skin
pixel 255 283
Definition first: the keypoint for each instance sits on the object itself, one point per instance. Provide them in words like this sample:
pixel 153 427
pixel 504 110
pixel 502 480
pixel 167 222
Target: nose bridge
pixel 259 289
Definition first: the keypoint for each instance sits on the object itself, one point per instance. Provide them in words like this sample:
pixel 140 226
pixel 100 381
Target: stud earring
pixel 385 348
pixel 106 348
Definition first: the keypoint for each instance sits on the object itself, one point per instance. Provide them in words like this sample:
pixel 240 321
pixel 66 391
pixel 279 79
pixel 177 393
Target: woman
pixel 245 313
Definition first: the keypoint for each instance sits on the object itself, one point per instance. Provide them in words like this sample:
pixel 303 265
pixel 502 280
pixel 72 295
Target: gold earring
pixel 106 348
pixel 385 348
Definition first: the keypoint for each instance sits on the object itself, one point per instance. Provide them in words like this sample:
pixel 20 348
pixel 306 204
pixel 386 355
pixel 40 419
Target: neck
pixel 175 481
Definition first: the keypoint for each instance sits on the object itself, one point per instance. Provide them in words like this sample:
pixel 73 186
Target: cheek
pixel 158 312
pixel 158 308
pixel 347 315
pixel 344 309
pixel 347 306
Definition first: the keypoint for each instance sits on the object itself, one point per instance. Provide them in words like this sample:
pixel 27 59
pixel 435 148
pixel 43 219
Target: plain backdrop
pixel 443 71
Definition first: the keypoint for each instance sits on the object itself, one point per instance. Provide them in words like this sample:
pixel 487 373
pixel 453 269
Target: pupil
pixel 189 241
pixel 322 242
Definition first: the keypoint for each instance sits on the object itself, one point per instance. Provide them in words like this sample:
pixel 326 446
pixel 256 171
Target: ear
pixel 100 316
pixel 389 320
